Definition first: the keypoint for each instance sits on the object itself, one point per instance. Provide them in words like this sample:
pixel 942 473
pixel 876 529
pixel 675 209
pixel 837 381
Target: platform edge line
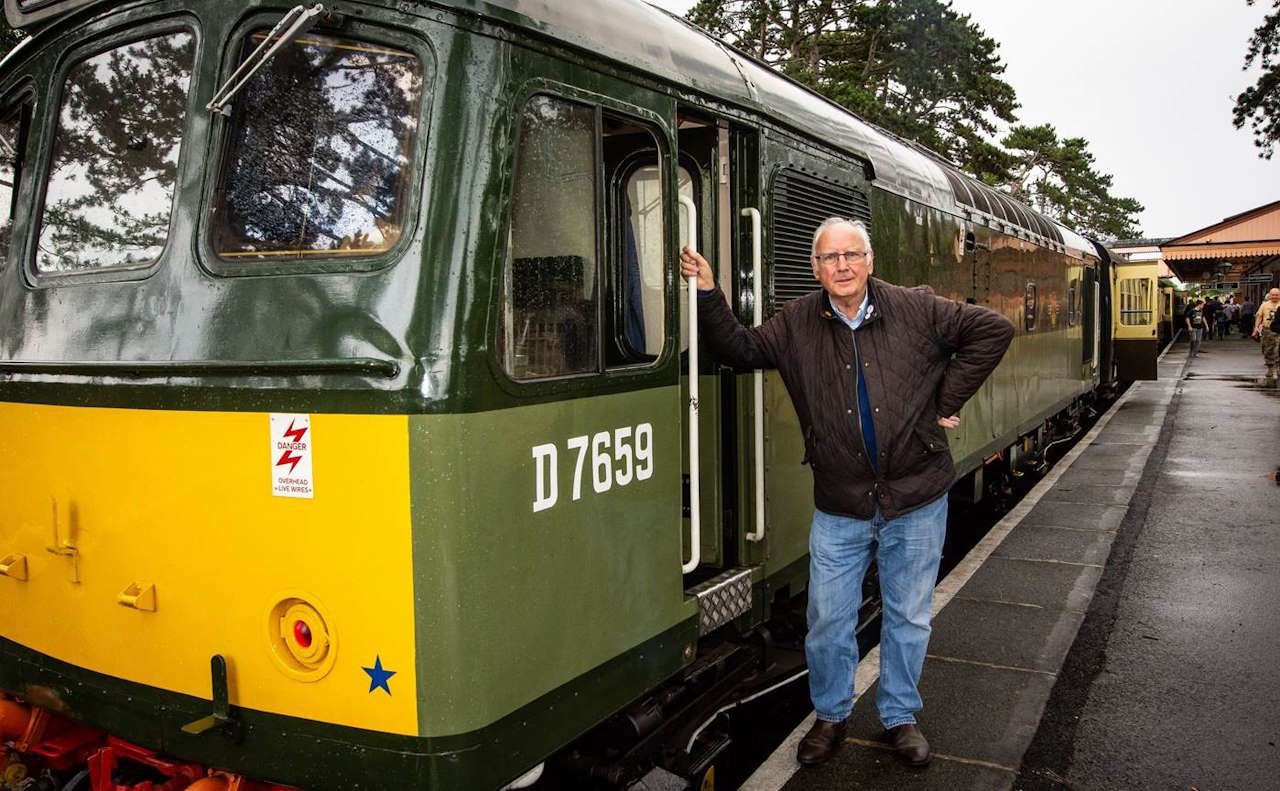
pixel 959 759
pixel 994 666
pixel 1051 560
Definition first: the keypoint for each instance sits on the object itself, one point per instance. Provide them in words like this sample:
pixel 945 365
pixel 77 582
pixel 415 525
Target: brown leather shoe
pixel 909 743
pixel 822 741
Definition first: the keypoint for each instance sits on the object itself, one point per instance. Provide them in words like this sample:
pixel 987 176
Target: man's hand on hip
pixel 949 422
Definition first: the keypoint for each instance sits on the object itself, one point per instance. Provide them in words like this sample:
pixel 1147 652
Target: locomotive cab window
pixel 22 13
pixel 109 192
pixel 14 122
pixel 640 327
pixel 319 154
pixel 584 280
pixel 641 277
pixel 549 282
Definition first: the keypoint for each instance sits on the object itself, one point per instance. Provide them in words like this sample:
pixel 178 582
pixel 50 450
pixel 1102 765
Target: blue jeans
pixel 907 550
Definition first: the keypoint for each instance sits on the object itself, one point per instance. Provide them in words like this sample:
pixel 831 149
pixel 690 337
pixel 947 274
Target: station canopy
pixel 1243 249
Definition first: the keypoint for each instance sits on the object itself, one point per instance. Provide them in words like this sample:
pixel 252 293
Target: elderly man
pixel 1262 330
pixel 875 371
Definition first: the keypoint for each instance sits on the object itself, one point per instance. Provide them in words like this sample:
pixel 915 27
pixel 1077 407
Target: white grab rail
pixel 695 492
pixel 757 299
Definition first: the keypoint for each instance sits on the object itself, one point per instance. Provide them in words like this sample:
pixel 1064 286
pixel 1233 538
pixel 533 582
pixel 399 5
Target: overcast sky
pixel 1150 85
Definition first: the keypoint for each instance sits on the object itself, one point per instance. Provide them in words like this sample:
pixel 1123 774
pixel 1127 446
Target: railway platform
pixel 1117 629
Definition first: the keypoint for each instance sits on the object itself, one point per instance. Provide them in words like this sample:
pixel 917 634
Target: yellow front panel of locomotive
pixel 146 541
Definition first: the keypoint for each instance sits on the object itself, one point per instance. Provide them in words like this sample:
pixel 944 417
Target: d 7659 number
pixel 618 457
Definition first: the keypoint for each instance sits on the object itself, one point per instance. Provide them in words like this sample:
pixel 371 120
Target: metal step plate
pixel 722 598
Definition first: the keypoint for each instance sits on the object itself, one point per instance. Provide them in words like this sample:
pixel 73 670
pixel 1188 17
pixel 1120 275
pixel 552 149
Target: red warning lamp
pixel 301 640
pixel 302 633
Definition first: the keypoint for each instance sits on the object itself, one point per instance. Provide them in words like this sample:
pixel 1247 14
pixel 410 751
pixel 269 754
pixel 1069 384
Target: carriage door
pixel 1089 322
pixel 981 275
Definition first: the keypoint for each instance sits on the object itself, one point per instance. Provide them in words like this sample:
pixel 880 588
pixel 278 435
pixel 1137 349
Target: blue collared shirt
pixel 855 322
pixel 864 400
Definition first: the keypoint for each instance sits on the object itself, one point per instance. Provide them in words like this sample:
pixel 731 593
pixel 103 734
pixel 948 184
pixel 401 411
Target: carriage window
pixel 1031 307
pixel 13 128
pixel 1135 301
pixel 549 294
pixel 115 157
pixel 318 162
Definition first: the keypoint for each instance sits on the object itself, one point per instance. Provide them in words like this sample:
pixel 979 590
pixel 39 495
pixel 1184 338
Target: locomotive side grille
pixel 801 201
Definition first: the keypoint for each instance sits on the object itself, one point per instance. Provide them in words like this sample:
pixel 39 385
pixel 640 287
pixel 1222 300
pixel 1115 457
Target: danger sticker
pixel 291 456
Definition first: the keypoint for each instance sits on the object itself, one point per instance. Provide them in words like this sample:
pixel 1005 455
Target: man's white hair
pixel 832 222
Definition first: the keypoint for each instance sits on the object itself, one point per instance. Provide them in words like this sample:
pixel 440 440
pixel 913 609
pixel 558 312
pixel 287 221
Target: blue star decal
pixel 378 677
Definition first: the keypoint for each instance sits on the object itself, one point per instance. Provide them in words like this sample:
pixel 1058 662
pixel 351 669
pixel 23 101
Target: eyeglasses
pixel 848 256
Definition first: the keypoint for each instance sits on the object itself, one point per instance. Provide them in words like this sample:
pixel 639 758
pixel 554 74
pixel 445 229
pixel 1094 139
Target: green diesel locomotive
pixel 428 249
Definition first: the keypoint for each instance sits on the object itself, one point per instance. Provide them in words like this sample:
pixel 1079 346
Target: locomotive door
pixel 697 175
pixel 719 162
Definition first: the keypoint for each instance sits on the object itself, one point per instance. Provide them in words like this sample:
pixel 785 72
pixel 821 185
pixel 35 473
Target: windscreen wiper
pixel 290 26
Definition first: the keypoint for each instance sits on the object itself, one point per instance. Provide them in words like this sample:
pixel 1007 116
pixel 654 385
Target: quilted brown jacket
pixel 923 356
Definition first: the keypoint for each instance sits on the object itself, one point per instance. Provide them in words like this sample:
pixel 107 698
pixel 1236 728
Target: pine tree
pixel 1259 104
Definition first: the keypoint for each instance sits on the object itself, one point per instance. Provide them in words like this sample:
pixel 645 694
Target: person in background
pixel 1209 310
pixel 1246 317
pixel 1265 330
pixel 1224 317
pixel 1194 319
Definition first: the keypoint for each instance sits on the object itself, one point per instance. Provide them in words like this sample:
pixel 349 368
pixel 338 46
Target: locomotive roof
pixel 660 43
pixel 642 36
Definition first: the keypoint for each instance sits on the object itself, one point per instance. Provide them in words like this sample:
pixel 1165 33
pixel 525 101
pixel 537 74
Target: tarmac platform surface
pixel 1120 628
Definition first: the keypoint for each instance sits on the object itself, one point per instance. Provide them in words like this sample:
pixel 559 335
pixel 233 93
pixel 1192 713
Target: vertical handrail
pixel 757 300
pixel 695 491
